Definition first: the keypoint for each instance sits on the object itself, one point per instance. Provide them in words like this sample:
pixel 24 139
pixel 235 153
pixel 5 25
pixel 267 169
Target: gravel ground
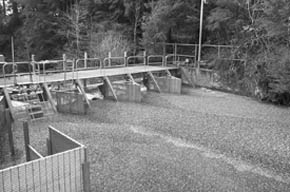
pixel 159 144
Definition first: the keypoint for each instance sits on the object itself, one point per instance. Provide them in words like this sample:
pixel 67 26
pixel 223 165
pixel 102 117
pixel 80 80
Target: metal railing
pixel 54 66
pixel 88 63
pixel 152 57
pixel 130 58
pixel 16 70
pixel 109 62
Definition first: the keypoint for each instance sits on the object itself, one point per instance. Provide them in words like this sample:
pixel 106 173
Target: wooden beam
pixel 9 102
pixel 82 90
pixel 131 77
pixel 154 81
pixel 168 73
pixel 49 97
pixel 111 87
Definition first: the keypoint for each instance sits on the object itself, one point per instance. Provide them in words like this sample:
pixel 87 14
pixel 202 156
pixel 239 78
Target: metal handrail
pixel 155 56
pixel 109 59
pixel 86 67
pixel 136 57
pixel 44 63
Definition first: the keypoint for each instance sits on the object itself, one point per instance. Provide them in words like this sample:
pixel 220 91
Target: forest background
pixel 260 29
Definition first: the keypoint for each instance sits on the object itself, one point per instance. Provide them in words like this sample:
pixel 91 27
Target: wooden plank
pixel 110 86
pixel 2 179
pixel 82 91
pixel 21 176
pixel 36 176
pixel 42 170
pixel 85 171
pixel 67 171
pixel 29 180
pixel 49 174
pixel 154 81
pixel 15 184
pixel 49 97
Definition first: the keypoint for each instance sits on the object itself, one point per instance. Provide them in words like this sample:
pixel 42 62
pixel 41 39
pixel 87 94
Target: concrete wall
pixel 125 91
pixel 167 84
pixel 73 103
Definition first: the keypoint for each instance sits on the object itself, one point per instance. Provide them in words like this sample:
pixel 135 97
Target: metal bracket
pixel 154 81
pixel 82 90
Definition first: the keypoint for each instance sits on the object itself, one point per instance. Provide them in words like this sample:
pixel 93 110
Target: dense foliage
pixel 259 28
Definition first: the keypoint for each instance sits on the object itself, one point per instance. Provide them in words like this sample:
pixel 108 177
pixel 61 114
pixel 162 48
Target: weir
pixel 62 85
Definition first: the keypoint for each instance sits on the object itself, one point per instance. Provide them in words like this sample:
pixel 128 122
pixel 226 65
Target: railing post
pixel 175 53
pixel 33 63
pixel 145 58
pixel 109 59
pixel 73 67
pixel 64 65
pixel 85 60
pixel 125 58
pixel 64 62
pixel 195 55
pixel 164 49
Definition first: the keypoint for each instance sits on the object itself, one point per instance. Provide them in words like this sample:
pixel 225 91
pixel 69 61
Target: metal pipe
pixel 200 35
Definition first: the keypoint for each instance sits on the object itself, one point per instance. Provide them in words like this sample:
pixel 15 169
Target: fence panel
pixel 60 172
pixel 50 174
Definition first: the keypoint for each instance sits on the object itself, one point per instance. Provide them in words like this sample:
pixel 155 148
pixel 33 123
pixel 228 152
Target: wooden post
pixel 110 61
pixel 86 173
pixel 49 147
pixel 85 60
pixel 26 140
pixel 125 59
pixel 8 124
pixel 145 58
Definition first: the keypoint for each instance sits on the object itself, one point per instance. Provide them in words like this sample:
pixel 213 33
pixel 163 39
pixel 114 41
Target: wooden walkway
pixel 81 74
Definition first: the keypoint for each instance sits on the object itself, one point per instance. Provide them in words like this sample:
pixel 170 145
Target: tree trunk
pixel 4 7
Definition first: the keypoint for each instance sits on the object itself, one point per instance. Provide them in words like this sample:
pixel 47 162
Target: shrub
pixel 103 43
